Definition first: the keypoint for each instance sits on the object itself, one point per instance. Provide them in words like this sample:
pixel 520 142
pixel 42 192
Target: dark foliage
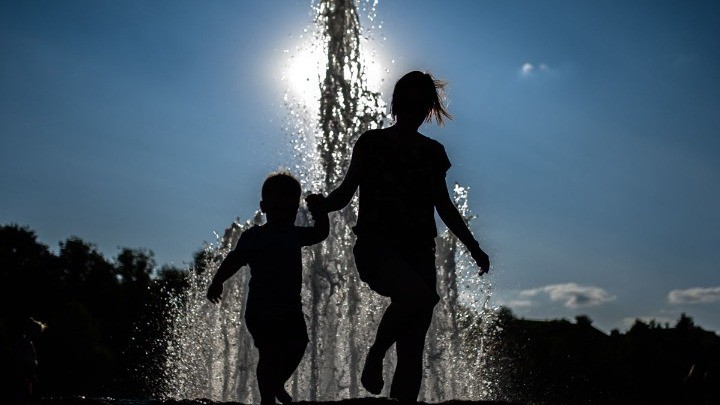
pixel 106 324
pixel 561 362
pixel 106 319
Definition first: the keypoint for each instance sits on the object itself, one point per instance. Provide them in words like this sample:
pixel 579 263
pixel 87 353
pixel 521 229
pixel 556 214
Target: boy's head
pixel 280 197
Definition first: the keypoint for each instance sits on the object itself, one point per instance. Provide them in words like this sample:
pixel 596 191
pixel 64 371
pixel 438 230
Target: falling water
pixel 210 352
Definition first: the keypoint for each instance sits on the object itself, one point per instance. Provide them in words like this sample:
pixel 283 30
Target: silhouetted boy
pixel 273 313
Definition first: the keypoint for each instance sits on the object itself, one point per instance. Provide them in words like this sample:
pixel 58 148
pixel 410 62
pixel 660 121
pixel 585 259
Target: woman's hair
pixel 420 93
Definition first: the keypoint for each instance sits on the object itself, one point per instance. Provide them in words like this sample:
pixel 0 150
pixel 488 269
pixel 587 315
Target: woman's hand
pixel 214 292
pixel 481 258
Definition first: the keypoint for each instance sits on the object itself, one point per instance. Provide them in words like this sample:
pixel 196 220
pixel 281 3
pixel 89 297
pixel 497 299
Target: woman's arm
pixel 341 196
pixel 450 215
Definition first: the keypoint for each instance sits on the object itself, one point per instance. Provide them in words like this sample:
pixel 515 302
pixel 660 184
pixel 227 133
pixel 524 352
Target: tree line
pixel 105 317
pixel 562 362
pixel 107 322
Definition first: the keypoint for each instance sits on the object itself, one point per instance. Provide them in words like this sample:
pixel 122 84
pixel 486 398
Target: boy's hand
pixel 316 203
pixel 481 258
pixel 214 292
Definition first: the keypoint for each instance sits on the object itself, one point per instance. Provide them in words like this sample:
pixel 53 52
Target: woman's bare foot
pixel 283 396
pixel 372 374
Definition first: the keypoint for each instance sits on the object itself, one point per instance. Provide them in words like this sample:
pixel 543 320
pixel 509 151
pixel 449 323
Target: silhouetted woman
pixel 401 177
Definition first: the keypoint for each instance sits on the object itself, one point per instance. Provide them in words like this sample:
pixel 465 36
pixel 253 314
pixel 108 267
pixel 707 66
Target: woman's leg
pixel 412 301
pixel 409 370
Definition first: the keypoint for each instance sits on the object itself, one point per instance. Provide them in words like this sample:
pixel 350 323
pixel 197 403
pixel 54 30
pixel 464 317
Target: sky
pixel 587 132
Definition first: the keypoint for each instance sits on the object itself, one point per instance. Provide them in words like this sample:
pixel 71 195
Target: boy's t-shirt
pixel 396 182
pixel 275 260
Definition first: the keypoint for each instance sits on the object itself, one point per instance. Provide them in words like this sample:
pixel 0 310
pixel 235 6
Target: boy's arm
pixel 321 225
pixel 231 264
pixel 450 215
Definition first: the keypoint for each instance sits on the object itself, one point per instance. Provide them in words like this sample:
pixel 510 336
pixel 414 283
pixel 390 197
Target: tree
pixel 685 323
pixel 28 276
pixel 83 267
pixel 583 321
pixel 135 266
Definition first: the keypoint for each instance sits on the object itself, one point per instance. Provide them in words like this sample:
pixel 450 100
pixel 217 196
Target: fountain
pixel 210 353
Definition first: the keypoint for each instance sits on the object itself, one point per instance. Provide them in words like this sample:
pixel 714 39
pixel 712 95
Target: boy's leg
pixel 291 357
pixel 294 340
pixel 267 375
pixel 260 324
pixel 409 370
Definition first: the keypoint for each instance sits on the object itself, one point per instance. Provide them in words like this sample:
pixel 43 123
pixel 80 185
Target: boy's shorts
pixel 372 254
pixel 273 327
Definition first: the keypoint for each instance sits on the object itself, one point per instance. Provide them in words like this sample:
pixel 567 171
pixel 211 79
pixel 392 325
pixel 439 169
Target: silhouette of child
pixel 401 177
pixel 273 312
pixel 26 362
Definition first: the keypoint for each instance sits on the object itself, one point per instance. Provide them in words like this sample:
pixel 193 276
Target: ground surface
pixel 358 401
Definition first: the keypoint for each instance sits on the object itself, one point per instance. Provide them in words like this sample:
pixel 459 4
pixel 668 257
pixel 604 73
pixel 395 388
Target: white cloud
pixel 697 295
pixel 527 68
pixel 520 303
pixel 572 295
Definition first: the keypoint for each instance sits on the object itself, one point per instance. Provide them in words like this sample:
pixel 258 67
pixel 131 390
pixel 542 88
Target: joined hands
pixel 316 203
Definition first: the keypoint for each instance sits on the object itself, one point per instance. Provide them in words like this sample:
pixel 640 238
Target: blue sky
pixel 588 133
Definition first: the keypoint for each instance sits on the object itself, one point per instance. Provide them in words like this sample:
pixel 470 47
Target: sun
pixel 305 69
